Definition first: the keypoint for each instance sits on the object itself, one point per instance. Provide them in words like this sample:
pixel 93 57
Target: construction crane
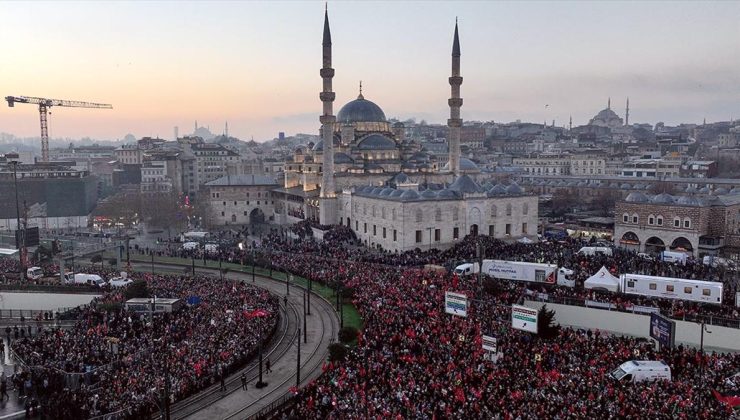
pixel 44 105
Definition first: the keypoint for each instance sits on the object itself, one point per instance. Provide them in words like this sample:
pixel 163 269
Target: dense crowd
pixel 114 360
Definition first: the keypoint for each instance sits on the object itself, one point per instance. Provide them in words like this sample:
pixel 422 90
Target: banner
pixel 523 318
pixel 456 304
pixel 663 330
pixel 490 344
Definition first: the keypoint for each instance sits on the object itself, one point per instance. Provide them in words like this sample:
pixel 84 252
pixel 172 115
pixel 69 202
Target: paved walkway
pixel 322 327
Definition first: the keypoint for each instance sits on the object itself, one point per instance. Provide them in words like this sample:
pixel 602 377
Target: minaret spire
pixel 455 102
pixel 360 95
pixel 570 123
pixel 609 103
pixel 627 113
pixel 327 210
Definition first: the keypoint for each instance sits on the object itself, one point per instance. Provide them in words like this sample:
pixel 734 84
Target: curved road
pixel 234 403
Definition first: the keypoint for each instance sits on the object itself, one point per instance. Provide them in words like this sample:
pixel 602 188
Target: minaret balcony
pixel 455 102
pixel 456 80
pixel 454 122
pixel 327 96
pixel 327 72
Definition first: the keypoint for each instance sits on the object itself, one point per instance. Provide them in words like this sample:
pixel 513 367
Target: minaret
pixel 455 102
pixel 327 209
pixel 627 113
pixel 609 103
pixel 570 123
pixel 226 130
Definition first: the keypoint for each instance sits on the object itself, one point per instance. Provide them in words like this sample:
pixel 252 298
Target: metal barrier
pixel 636 309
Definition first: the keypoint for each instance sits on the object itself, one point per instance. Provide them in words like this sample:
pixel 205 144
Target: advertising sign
pixel 490 344
pixel 663 330
pixel 456 304
pixel 523 318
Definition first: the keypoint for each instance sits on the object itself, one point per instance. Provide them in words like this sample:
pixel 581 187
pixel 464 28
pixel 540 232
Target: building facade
pixel 241 199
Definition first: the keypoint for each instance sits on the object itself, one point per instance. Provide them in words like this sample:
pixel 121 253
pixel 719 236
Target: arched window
pixel 676 222
pixel 364 209
pixel 687 223
pixel 508 209
pixel 382 212
pixel 651 220
pixel 373 210
pixel 525 208
pixel 419 216
pixel 438 215
pixel 393 214
pixel 659 220
pixel 635 219
pixel 455 214
pixel 625 218
pixel 494 211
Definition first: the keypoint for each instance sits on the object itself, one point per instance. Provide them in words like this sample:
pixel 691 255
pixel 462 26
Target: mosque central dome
pixel 360 110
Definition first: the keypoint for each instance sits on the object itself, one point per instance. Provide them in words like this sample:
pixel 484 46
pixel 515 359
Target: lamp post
pixel 701 362
pixel 253 263
pixel 308 296
pixel 298 360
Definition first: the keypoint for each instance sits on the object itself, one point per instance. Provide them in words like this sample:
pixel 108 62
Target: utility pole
pixel 703 327
pixel 298 362
pixel 287 282
pixel 260 383
pixel 305 338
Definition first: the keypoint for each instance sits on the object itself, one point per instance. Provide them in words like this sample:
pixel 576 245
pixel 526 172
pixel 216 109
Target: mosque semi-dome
pixel 376 142
pixel 360 110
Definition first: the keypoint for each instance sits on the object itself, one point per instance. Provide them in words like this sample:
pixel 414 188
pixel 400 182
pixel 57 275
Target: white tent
pixel 525 240
pixel 603 280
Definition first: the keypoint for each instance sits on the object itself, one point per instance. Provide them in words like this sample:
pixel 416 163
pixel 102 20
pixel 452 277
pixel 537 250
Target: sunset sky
pixel 256 64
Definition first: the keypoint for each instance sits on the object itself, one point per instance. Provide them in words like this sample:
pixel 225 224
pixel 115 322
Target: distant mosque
pixel 608 118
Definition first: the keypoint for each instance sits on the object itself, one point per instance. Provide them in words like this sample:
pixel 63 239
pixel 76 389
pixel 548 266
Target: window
pixel 669 288
pixel 494 211
pixel 375 230
pixel 625 218
pixel 456 233
pixel 659 219
pixel 393 214
pixel 373 211
pixel 706 292
pixel 634 218
pixel 382 212
pixel 245 213
pixel 491 230
pixel 676 222
pixel 418 236
pixel 438 215
pixel 687 290
pixel 630 283
pixel 357 225
pixel 222 214
pixel 383 233
pixel 364 225
pixel 508 228
pixel 508 209
pixel 455 214
pixel 419 216
pixel 651 220
pixel 437 235
pixel 524 228
pixel 224 203
pixel 687 223
pixel 525 208
pixel 653 286
pixel 394 235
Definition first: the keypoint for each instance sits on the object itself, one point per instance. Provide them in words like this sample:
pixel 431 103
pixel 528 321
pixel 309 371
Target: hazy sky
pixel 255 64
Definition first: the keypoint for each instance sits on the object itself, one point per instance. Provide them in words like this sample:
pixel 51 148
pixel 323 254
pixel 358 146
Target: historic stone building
pixel 699 224
pixel 241 199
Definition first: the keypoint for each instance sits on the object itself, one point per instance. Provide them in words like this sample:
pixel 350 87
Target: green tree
pixel 546 327
pixel 337 352
pixel 137 289
pixel 347 334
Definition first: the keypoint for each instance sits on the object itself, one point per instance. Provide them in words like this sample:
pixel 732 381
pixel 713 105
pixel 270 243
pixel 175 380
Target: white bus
pixel 670 288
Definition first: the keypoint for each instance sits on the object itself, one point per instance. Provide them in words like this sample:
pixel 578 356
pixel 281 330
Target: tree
pixel 337 352
pixel 347 334
pixel 605 201
pixel 546 327
pixel 137 289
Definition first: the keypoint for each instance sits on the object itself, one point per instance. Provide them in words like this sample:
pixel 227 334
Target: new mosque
pixel 366 175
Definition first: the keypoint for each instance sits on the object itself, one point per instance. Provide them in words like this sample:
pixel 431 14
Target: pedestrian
pixel 244 381
pixel 4 387
pixel 267 366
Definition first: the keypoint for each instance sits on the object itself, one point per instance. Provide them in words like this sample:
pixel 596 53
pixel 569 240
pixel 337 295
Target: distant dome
pixel 465 184
pixel 447 193
pixel 360 110
pixel 376 142
pixel 663 199
pixel 690 190
pixel 636 197
pixel 606 118
pixel 625 186
pixel 319 147
pixel 342 158
pixel 429 194
pixel 720 191
pixel 514 189
pixel 410 195
pixel 376 191
pixel 687 201
pixel 735 191
pixel 386 192
pixel 704 190
pixel 465 165
pixel 397 193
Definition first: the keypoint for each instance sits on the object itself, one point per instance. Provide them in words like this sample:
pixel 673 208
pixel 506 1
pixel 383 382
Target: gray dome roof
pixel 342 158
pixel 447 193
pixel 397 193
pixel 376 191
pixel 690 189
pixel 465 165
pixel 376 142
pixel 386 192
pixel 688 201
pixel 720 191
pixel 625 186
pixel 410 195
pixel 637 197
pixel 360 110
pixel 319 147
pixel 429 194
pixel 465 184
pixel 704 190
pixel 735 191
pixel 514 189
pixel 663 199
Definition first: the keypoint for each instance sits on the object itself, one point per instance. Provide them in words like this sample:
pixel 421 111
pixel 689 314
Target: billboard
pixel 663 330
pixel 456 304
pixel 490 344
pixel 31 238
pixel 523 318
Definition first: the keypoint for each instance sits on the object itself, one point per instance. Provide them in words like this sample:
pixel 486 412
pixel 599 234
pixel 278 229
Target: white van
pixel 467 269
pixel 122 281
pixel 642 370
pixel 34 273
pixel 91 279
pixel 595 250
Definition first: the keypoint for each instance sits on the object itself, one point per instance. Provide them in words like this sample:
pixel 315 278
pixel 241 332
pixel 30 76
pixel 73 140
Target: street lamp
pixel 701 361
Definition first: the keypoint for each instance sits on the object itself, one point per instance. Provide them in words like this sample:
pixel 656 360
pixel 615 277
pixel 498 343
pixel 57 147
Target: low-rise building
pixel 241 199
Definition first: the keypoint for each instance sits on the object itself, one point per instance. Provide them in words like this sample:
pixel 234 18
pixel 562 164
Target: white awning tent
pixel 525 240
pixel 602 280
pixel 8 252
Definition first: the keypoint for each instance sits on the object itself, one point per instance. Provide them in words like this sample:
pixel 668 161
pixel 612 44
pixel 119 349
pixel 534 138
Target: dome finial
pixel 360 95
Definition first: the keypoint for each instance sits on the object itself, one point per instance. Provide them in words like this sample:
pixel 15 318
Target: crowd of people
pixel 116 361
